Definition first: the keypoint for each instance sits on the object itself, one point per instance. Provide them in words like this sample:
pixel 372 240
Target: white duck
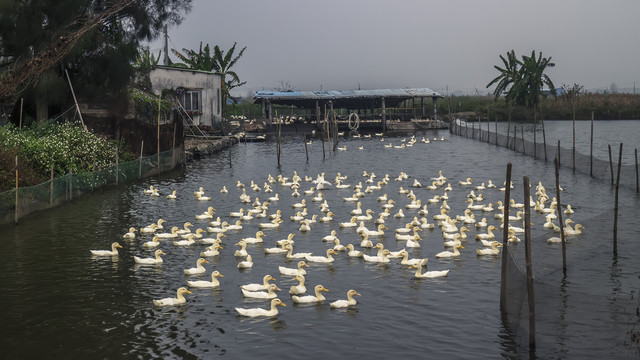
pixel 450 254
pixel 291 255
pixel 246 264
pixel 243 249
pixel 339 304
pixel 180 299
pixel 207 214
pixel 154 260
pixel 207 284
pixel 236 226
pixel 189 241
pixel 331 237
pixel 424 224
pixel 293 272
pixel 351 223
pixel 131 234
pixel 406 261
pixel 490 251
pixel 257 287
pixel 288 240
pixel 310 298
pixel 112 252
pixel 269 294
pixel 255 312
pixel 149 229
pixel 211 250
pixel 353 252
pixel 323 259
pixel 428 274
pixel 172 234
pixel 255 240
pixel 211 241
pixel 489 235
pixel 300 288
pixel 199 269
pixel 379 232
pixel 378 259
pixel 153 243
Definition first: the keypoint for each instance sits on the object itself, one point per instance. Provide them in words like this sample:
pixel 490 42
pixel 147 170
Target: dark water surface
pixel 60 301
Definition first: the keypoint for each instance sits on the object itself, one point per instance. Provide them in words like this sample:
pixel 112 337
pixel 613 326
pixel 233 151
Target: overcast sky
pixel 343 44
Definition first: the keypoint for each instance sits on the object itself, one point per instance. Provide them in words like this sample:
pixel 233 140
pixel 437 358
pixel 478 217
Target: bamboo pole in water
pixel 515 136
pixel 158 141
pixel 140 160
pixel 117 166
pixel 591 149
pixel 173 147
pixel 495 115
pixel 527 249
pixel 306 151
pixel 17 206
pixel 615 210
pixel 544 141
pixel 610 163
pixel 559 209
pixel 278 137
pixel 637 183
pixel 51 189
pixel 524 151
pixel 505 241
pixel 558 153
pixel 573 149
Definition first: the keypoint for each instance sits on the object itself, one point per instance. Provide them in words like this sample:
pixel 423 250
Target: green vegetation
pixel 220 62
pixel 65 146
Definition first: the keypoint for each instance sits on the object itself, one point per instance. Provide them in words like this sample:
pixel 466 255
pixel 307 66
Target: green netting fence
pixel 15 204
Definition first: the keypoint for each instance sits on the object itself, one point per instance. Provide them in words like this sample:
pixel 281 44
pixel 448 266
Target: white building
pixel 202 95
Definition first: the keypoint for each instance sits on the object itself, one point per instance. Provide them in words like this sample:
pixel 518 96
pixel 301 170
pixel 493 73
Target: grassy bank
pixel 64 146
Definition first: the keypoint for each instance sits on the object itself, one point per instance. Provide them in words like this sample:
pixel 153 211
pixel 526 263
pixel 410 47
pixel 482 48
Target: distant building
pixel 200 93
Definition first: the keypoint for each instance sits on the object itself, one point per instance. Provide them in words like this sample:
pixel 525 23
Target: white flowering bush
pixel 65 146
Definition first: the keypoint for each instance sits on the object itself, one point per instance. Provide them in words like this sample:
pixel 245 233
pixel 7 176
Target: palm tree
pixel 531 83
pixel 223 62
pixel 509 76
pixel 220 62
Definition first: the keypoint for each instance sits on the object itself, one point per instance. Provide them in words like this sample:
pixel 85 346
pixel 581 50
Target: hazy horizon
pixel 372 44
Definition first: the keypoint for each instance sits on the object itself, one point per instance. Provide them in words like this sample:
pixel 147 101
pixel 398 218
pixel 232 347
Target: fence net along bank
pixel 63 188
pixel 584 163
pixel 590 313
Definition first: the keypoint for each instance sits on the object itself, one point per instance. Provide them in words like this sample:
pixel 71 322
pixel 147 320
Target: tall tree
pixel 509 75
pixel 95 40
pixel 220 62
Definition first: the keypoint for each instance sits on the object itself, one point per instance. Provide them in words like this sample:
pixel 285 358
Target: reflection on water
pixel 59 300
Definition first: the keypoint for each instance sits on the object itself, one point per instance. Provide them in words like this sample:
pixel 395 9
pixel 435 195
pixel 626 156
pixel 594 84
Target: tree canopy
pixel 220 62
pixel 95 40
pixel 522 81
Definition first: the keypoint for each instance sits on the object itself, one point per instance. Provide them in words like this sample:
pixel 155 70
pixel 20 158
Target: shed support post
pixel 384 117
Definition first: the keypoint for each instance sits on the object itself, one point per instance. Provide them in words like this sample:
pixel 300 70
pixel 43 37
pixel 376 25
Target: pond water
pixel 60 301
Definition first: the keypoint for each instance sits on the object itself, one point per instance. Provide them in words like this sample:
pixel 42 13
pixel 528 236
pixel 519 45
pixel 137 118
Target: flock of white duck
pixel 369 225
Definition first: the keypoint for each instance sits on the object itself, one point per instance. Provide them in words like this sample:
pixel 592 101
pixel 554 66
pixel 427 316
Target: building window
pixel 190 100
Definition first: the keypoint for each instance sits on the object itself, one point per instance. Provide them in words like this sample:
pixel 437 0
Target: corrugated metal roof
pixel 344 94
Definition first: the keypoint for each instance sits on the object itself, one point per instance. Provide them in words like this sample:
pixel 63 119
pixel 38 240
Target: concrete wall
pixel 208 83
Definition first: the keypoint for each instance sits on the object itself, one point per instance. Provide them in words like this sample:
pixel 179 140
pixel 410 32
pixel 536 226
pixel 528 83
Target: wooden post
pixel 51 189
pixel 140 160
pixel 544 141
pixel 173 147
pixel 21 105
pixel 278 138
pixel 306 151
pixel 515 136
pixel 527 251
pixel 615 210
pixel 524 151
pixel 559 209
pixel 505 240
pixel 75 100
pixel 573 149
pixel 495 114
pixel 488 132
pixel 384 116
pixel 322 140
pixel 535 130
pixel 591 149
pixel 70 184
pixel 610 163
pixel 637 184
pixel 558 153
pixel 17 206
pixel 230 156
pixel 117 166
